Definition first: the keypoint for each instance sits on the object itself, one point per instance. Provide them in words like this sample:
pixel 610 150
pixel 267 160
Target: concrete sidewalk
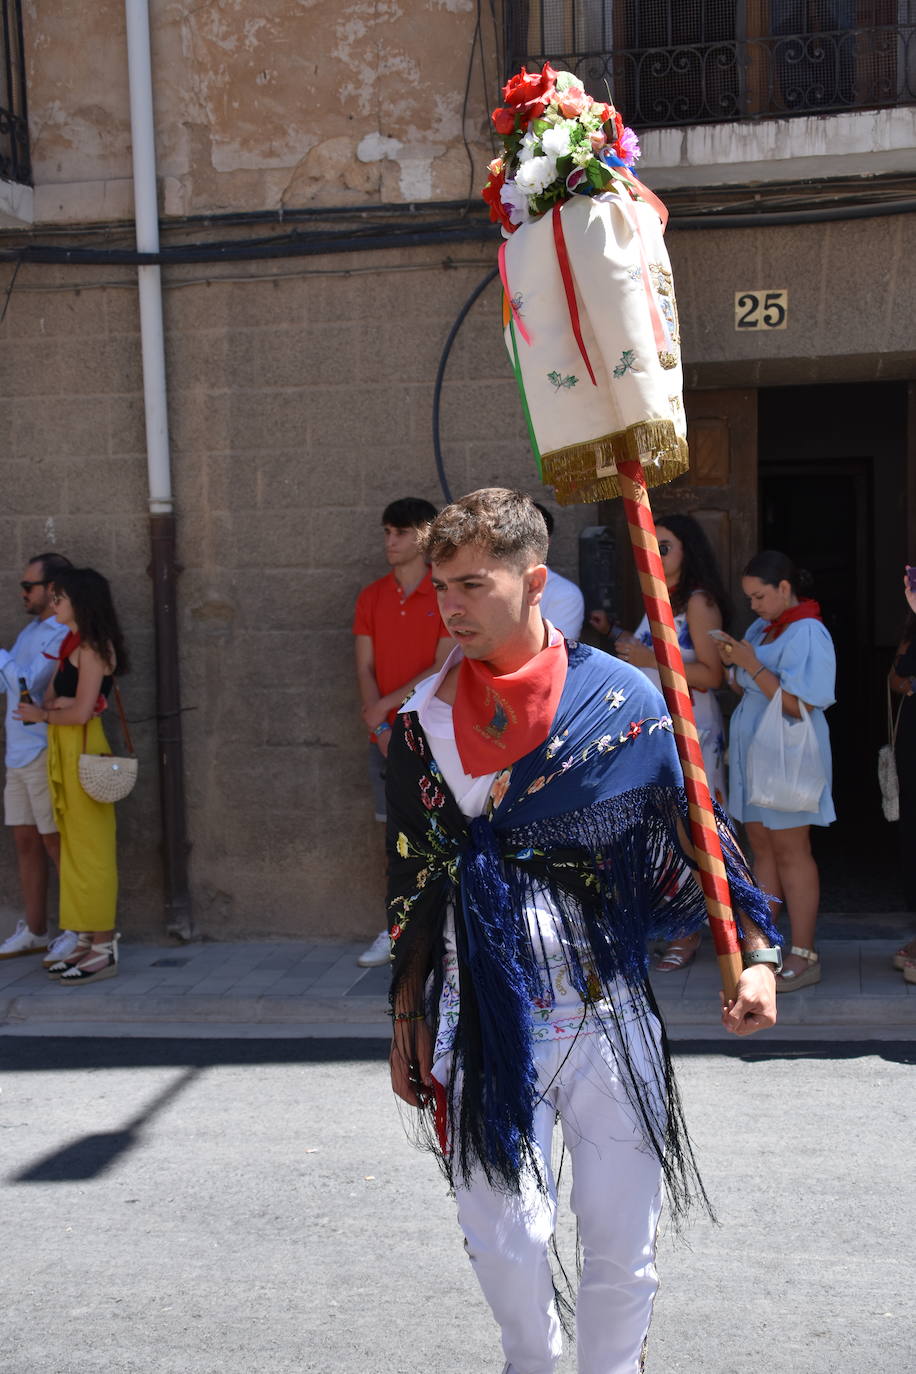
pixel 312 988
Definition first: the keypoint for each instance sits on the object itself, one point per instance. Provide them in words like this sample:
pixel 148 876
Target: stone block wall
pixel 300 399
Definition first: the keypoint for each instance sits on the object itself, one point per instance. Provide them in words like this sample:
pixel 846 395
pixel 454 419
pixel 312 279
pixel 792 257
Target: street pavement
pixel 226 1206
pixel 313 988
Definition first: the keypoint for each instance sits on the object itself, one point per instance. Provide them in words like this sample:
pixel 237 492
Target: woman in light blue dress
pixel 700 604
pixel 788 647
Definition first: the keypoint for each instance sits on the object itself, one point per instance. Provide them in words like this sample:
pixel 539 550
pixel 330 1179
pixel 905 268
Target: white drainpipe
pixel 161 509
pixel 146 213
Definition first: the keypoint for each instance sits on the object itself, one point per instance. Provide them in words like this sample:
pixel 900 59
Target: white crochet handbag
pixel 109 777
pixel 887 765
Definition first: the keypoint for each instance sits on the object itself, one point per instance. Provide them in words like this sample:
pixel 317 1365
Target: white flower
pixel 582 154
pixel 535 176
pixel 527 147
pixel 567 82
pixel 515 201
pixel 555 142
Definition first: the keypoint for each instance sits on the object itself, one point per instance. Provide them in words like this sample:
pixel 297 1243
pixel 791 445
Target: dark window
pixel 14 130
pixel 670 62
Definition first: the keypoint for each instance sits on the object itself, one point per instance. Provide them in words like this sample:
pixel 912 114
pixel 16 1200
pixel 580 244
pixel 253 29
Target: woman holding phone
pixel 701 607
pixel 787 648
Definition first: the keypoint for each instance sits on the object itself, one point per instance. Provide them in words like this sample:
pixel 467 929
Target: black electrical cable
pixel 765 218
pixel 368 238
pixel 440 376
pixel 241 250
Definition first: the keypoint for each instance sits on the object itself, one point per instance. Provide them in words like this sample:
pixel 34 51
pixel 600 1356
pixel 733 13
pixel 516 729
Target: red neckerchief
pixel 499 718
pixel 805 610
pixel 71 640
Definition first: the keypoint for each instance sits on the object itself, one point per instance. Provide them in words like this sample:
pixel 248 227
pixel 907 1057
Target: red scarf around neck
pixel 805 610
pixel 499 718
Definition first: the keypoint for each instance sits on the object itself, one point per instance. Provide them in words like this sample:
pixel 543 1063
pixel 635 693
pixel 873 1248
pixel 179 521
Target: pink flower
pixel 598 141
pixel 628 146
pixel 572 103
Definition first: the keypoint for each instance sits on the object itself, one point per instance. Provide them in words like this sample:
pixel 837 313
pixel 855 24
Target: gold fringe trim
pixel 583 473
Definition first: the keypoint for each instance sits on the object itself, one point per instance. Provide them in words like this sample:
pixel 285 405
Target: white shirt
pixel 560 1013
pixel 563 605
pixel 27 659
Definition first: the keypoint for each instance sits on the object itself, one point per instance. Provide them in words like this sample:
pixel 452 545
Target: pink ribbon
pixel 503 276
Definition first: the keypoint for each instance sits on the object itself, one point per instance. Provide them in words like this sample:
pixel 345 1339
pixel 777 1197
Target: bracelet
pixel 754 676
pixel 381 729
pixel 407 1015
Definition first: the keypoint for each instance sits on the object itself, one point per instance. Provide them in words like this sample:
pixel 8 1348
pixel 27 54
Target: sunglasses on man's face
pixel 27 586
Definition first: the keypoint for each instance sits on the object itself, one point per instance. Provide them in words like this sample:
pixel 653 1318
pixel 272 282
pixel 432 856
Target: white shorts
pixel 27 796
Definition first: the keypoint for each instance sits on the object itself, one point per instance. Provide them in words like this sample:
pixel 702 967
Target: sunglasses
pixel 27 586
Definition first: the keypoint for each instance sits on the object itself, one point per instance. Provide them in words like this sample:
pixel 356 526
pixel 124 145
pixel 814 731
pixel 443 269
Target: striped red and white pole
pixel 703 831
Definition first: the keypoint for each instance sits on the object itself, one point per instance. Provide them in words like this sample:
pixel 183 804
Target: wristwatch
pixel 772 955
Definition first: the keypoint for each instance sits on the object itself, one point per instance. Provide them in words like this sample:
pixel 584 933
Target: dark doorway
pixel 832 471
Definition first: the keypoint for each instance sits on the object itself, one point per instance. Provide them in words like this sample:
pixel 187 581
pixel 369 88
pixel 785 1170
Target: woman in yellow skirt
pixel 90 655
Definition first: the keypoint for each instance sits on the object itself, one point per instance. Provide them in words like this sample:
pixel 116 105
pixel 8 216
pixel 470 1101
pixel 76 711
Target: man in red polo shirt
pixel 400 639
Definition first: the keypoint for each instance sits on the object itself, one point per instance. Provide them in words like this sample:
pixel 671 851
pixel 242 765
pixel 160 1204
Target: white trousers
pixel 616 1196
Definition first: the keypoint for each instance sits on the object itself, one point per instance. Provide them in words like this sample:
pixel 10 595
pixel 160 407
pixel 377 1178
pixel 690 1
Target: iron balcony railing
pixel 15 163
pixel 674 62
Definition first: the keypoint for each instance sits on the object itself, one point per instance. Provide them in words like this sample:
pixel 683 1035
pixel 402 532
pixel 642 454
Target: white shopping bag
pixel 785 771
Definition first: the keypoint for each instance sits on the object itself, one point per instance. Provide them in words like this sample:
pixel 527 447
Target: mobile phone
pixel 911 578
pixel 720 635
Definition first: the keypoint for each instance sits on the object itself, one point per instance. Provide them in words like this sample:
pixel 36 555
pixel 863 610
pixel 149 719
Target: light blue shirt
pixel 27 659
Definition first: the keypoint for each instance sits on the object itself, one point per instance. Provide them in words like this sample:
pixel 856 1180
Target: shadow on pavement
pixel 93 1155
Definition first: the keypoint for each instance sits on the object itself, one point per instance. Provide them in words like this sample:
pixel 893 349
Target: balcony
pixel 680 62
pixel 15 164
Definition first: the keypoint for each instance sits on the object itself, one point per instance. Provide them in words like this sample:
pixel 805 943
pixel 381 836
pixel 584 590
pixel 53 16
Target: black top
pixel 67 677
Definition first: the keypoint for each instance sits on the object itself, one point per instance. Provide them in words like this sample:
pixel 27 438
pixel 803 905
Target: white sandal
pixel 100 962
pixel 789 981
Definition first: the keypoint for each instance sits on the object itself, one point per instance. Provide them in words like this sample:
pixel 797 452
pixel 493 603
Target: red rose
pixel 491 194
pixel 527 94
pixel 619 124
pixel 503 121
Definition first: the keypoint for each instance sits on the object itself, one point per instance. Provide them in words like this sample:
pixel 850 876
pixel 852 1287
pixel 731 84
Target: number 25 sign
pixel 761 309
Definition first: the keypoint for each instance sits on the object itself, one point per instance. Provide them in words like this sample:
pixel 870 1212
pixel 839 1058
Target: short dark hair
pixel 772 567
pixel 410 512
pixel 504 523
pixel 548 518
pixel 51 563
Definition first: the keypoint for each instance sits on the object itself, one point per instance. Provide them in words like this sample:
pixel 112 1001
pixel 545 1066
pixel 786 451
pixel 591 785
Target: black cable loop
pixel 440 375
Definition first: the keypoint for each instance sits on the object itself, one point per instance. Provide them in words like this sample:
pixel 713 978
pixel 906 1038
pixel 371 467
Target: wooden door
pixel 720 491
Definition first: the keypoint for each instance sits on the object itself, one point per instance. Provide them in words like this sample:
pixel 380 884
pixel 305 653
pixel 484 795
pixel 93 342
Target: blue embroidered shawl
pixel 594 816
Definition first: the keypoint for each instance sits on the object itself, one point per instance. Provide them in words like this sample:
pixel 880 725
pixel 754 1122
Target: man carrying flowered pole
pixel 537 839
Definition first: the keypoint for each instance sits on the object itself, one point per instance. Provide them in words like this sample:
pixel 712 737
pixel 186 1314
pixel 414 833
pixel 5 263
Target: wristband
pixel 771 956
pixel 381 729
pixel 407 1015
pixel 755 676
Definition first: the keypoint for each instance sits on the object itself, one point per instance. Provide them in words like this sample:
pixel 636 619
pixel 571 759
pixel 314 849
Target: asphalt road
pixel 225 1207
